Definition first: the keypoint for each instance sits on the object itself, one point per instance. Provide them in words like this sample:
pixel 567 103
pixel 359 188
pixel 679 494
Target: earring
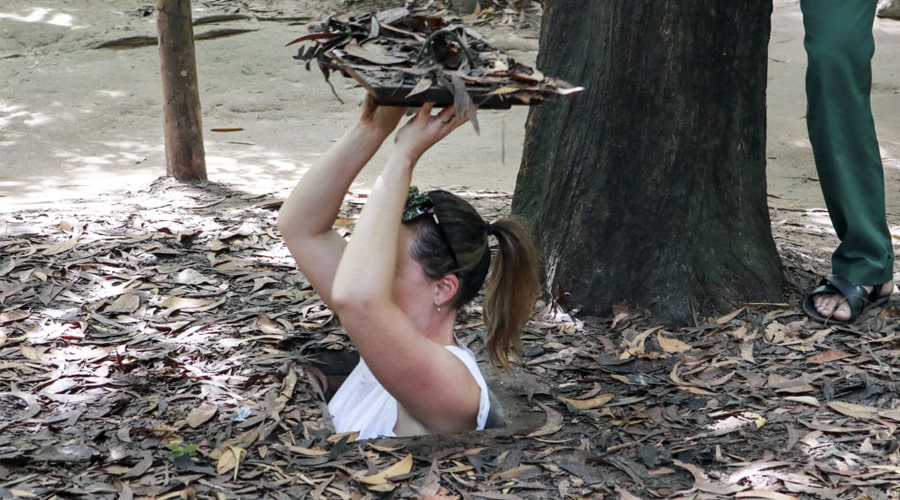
pixel 438 308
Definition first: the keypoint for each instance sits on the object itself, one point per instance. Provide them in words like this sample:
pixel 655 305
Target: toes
pixel 832 306
pixel 842 313
pixel 824 304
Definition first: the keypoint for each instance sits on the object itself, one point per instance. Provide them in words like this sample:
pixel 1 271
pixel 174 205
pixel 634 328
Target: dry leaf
pixel 188 304
pixel 13 316
pixel 807 400
pixel 60 385
pixel 7 267
pixel 854 410
pixel 20 493
pixel 268 326
pixel 354 49
pixel 747 352
pixel 890 414
pixel 124 304
pixel 348 437
pixel 625 494
pixel 288 383
pixel 201 414
pixel 739 333
pixel 730 316
pixel 699 391
pixel 703 483
pixel 828 356
pixel 192 277
pixel 504 90
pixel 230 459
pixel 672 346
pixel 259 283
pixel 385 448
pixel 309 452
pixel 141 467
pixel 553 423
pixel 587 404
pixel 400 468
pixel 783 384
pixel 421 86
pixel 520 470
pixel 29 352
pixel 124 434
pixel 764 493
pixel 62 247
pixel 634 347
pixel 776 333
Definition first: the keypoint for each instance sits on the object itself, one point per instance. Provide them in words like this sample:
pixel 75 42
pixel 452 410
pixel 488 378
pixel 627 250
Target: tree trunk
pixel 185 157
pixel 650 187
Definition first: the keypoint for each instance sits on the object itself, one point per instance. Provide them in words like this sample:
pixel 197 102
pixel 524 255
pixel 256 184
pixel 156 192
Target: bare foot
pixel 834 305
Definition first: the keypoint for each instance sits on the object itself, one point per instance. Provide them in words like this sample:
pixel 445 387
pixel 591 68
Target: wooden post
pixel 185 157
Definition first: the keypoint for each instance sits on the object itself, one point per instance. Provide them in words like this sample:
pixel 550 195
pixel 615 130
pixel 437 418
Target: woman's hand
pixel 425 130
pixel 382 119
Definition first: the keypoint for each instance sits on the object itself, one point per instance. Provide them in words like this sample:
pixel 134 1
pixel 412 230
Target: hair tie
pixel 490 229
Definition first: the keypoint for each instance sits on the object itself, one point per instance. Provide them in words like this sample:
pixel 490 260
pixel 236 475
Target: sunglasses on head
pixel 419 205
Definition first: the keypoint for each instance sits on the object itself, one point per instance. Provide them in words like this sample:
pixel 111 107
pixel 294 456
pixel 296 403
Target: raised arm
pixel 306 218
pixel 367 271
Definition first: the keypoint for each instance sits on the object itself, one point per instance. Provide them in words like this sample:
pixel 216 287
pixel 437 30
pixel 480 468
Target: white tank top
pixel 363 405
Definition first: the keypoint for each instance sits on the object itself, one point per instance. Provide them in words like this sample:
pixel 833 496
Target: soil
pixel 81 155
pixel 77 122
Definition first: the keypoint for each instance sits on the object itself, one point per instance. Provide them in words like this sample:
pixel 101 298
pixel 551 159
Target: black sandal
pixel 856 296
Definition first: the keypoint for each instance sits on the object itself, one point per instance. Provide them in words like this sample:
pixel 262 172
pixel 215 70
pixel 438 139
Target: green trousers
pixel 839 47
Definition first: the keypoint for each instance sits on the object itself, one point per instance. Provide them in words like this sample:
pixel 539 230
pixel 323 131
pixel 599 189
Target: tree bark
pixel 650 187
pixel 185 156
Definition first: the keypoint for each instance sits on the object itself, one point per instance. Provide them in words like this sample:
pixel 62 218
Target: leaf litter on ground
pixel 134 343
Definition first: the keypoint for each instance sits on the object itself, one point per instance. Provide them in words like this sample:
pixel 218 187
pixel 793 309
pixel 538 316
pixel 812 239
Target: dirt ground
pixel 76 122
pixel 155 341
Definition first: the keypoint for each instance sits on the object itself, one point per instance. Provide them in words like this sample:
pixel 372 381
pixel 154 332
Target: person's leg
pixel 840 45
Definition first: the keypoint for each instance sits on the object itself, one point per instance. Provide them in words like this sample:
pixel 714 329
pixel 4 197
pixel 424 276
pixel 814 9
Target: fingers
pixel 448 115
pixel 445 116
pixel 429 119
pixel 429 127
pixel 383 119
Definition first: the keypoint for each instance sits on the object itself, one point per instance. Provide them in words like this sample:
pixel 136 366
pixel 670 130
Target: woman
pixel 413 261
